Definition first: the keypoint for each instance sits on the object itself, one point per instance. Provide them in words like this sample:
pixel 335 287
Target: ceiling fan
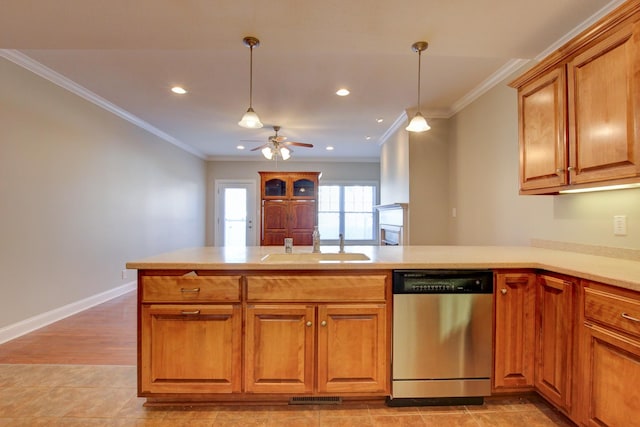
pixel 278 146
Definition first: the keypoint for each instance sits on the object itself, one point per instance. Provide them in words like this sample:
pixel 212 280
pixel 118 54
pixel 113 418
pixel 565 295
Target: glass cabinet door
pixel 275 188
pixel 304 188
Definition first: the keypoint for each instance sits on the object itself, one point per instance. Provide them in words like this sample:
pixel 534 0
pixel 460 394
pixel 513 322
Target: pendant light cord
pixel 250 76
pixel 419 62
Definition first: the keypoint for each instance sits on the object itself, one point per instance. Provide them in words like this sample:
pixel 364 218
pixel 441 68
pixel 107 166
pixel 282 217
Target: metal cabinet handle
pixel 559 170
pixel 570 168
pixel 633 319
pixel 193 312
pixel 323 323
pixel 309 323
pixel 190 291
pixel 503 291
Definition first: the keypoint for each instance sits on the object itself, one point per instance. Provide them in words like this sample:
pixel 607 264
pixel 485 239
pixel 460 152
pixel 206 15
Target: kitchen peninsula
pixel 255 325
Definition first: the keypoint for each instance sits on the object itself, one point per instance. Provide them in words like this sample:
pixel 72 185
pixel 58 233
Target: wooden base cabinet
pixel 554 339
pixel 610 357
pixel 190 348
pixel 514 331
pixel 190 333
pixel 318 334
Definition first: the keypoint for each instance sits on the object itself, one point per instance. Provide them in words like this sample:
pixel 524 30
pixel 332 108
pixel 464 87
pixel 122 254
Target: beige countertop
pixel 619 272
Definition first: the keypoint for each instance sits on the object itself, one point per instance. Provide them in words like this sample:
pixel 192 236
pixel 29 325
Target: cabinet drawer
pixel 317 288
pixel 612 310
pixel 191 288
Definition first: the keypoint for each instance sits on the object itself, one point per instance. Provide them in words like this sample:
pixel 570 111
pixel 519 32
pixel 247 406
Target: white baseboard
pixel 36 322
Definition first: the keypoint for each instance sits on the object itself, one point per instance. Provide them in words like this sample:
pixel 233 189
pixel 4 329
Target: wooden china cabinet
pixel 289 207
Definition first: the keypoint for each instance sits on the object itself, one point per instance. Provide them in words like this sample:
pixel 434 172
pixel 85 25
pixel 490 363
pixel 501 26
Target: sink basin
pixel 311 257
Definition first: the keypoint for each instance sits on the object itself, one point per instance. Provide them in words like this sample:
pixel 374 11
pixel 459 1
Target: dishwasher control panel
pixel 442 281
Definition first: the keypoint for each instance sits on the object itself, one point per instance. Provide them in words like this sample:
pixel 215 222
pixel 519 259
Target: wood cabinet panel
pixel 611 377
pixel 604 103
pixel 352 348
pixel 514 330
pixel 190 288
pixel 280 348
pixel 554 339
pixel 190 349
pixel 365 287
pixel 543 151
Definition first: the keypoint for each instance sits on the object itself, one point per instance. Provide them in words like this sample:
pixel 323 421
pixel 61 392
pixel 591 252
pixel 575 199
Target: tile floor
pixel 86 395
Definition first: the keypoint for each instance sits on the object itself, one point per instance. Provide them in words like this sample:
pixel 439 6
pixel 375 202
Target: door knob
pixel 504 291
pixel 309 323
pixel 323 323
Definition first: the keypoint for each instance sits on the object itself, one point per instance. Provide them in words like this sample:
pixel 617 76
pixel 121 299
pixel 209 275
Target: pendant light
pixel 250 119
pixel 418 123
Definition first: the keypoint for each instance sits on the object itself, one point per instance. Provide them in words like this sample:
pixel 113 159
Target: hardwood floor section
pixel 102 335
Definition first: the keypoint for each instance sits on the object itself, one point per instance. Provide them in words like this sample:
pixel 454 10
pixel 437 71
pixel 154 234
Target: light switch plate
pixel 620 225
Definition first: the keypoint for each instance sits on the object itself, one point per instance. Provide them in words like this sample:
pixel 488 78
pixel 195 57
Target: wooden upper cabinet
pixel 289 185
pixel 543 150
pixel 579 109
pixel 604 108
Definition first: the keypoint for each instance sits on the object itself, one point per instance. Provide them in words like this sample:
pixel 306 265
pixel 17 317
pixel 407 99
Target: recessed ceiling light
pixel 330 148
pixel 379 120
pixel 240 147
pixel 367 137
pixel 179 90
pixel 343 92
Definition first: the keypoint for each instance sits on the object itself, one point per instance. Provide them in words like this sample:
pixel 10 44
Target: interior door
pixel 236 213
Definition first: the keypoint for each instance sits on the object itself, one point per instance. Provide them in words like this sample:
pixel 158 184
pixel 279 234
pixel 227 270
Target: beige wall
pixel 248 170
pixel 484 179
pixel 394 169
pixel 82 192
pixel 414 169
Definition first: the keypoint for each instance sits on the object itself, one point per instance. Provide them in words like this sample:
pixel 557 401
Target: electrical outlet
pixel 124 274
pixel 620 225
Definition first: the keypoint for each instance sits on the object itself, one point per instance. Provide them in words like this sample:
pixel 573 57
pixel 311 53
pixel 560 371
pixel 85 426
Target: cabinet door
pixel 352 349
pixel 275 219
pixel 279 348
pixel 190 349
pixel 611 376
pixel 604 100
pixel 554 341
pixel 543 149
pixel 303 217
pixel 514 330
pixel 304 187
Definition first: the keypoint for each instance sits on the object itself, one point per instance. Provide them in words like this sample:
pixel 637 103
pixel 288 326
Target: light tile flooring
pixel 85 395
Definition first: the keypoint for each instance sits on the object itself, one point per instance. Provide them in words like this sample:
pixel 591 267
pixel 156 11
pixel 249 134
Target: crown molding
pixel 35 67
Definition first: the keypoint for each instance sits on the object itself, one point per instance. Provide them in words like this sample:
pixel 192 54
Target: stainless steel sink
pixel 315 257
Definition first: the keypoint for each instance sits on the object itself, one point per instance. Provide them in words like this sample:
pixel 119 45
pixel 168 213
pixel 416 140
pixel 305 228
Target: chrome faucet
pixel 341 237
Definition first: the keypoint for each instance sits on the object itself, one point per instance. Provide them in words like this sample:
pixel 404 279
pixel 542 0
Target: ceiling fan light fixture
pixel 418 123
pixel 250 119
pixel 267 152
pixel 285 153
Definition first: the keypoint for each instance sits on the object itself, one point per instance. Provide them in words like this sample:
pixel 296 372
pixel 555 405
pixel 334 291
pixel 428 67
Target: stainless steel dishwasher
pixel 442 337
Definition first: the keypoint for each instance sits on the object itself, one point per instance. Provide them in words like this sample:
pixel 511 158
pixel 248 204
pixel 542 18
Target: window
pixel 347 209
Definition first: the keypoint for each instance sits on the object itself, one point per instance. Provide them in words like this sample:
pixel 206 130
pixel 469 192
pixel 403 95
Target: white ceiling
pixel 130 52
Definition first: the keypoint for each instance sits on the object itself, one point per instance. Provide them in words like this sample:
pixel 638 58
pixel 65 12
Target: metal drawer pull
pixel 309 323
pixel 190 291
pixel 504 291
pixel 633 319
pixel 323 323
pixel 186 312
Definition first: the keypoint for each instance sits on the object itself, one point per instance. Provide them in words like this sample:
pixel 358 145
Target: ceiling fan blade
pixel 260 147
pixel 299 144
pixel 279 138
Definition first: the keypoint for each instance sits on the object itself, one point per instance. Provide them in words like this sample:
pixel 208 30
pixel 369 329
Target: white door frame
pixel 252 209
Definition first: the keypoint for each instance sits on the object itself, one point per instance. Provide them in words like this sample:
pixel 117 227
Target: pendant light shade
pixel 250 119
pixel 418 123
